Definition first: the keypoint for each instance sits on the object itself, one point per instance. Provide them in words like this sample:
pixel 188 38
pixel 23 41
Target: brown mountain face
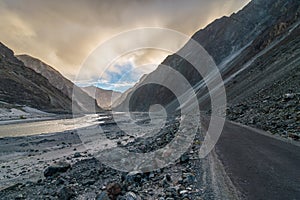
pixel 236 43
pixel 82 102
pixel 104 98
pixel 23 86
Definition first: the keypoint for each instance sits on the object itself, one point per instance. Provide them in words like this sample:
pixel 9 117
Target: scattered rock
pixel 279 114
pixel 87 176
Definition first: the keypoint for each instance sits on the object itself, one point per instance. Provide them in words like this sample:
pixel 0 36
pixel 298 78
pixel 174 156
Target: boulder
pixel 113 190
pixel 56 168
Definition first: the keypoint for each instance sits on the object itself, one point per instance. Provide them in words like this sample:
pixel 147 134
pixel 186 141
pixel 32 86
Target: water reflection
pixel 49 126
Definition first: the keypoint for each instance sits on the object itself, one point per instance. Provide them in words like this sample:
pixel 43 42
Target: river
pixel 48 126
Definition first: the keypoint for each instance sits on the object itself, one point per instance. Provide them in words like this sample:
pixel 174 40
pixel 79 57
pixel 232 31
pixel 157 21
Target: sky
pixel 63 33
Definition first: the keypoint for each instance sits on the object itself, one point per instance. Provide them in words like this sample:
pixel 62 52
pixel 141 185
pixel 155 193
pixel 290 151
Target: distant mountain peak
pixel 105 98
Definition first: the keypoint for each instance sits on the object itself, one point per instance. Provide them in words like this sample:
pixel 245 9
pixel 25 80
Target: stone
pixel 289 96
pixel 77 155
pixel 168 178
pixel 102 196
pixel 166 181
pixel 183 192
pixel 152 175
pixel 20 196
pixel 293 136
pixel 169 198
pixel 113 190
pixel 133 178
pixel 88 182
pixel 188 178
pixel 184 158
pixel 130 196
pixel 60 181
pixel 171 192
pixel 66 193
pixel 56 168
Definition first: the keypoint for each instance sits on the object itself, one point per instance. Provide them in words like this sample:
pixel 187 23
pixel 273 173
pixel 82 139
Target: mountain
pixel 118 103
pixel 266 93
pixel 23 86
pixel 82 101
pixel 224 40
pixel 104 98
pixel 256 51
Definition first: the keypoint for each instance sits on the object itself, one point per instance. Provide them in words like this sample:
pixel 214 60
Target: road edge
pixel 222 185
pixel 262 132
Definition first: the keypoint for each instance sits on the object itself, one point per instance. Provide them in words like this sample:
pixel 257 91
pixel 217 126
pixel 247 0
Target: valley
pixel 217 119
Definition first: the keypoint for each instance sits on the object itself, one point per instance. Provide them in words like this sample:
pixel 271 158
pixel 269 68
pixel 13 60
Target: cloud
pixel 120 77
pixel 64 33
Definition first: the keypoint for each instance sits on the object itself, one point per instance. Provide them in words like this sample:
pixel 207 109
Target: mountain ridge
pixel 104 98
pixel 82 102
pixel 258 64
pixel 23 86
pixel 222 39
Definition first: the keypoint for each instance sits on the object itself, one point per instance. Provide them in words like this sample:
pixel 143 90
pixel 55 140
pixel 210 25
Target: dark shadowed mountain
pixel 104 98
pixel 81 100
pixel 23 86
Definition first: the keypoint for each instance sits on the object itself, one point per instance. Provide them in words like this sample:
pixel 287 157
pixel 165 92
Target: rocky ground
pixel 9 112
pixel 89 179
pixel 58 166
pixel 277 114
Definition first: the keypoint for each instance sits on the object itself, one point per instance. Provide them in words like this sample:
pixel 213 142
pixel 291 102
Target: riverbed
pixel 26 128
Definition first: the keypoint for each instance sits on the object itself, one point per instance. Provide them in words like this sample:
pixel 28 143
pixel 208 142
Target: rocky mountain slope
pixel 104 98
pixel 271 96
pixel 256 52
pixel 23 86
pixel 82 101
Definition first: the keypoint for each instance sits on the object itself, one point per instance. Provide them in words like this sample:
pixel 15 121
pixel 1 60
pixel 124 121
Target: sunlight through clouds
pixel 64 33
